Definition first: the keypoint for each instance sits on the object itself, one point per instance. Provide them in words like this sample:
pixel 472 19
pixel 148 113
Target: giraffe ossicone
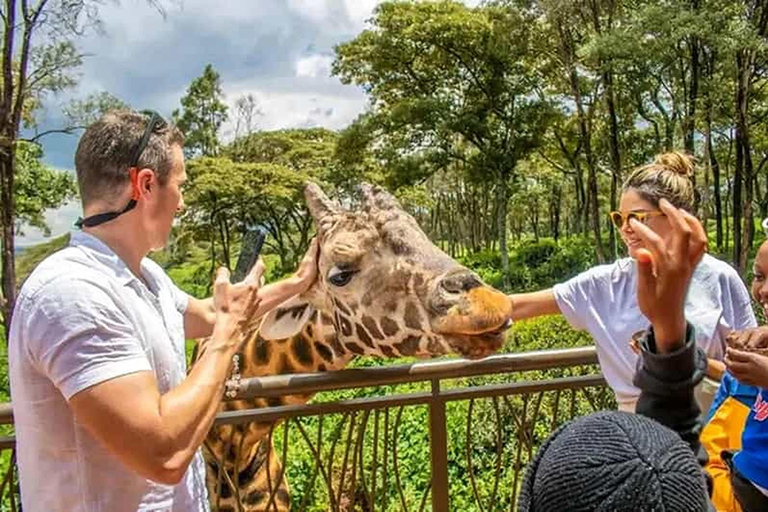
pixel 383 289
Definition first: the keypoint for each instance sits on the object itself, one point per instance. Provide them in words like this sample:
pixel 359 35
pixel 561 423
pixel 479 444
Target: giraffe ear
pixel 287 319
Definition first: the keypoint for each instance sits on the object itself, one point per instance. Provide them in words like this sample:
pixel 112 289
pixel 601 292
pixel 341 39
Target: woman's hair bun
pixel 677 162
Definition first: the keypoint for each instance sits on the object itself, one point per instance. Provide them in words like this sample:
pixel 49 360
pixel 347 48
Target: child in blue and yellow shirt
pixel 736 433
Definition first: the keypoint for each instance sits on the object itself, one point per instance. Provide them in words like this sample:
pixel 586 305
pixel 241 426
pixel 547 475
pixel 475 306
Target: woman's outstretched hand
pixel 664 270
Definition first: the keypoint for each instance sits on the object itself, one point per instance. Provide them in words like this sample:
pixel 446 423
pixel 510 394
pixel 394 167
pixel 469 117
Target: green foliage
pixel 83 112
pixel 447 83
pixel 534 265
pixel 203 112
pixel 38 187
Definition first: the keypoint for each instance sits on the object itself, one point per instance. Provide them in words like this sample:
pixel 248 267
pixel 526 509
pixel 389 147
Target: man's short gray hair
pixel 106 148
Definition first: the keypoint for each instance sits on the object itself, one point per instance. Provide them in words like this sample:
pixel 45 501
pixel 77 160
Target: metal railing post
pixel 438 444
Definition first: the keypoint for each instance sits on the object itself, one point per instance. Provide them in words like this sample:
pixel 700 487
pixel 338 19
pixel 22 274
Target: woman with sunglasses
pixel 603 302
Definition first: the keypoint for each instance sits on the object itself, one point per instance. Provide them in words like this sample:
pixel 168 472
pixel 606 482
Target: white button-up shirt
pixel 83 318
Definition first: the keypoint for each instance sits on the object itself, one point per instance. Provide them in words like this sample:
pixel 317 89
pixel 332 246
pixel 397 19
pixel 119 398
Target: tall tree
pixel 247 109
pixel 202 114
pixel 449 84
pixel 38 57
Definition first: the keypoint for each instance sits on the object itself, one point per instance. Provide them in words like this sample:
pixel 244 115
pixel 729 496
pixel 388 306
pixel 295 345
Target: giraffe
pixel 383 290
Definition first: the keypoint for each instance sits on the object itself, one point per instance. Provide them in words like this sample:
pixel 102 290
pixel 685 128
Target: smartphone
pixel 253 241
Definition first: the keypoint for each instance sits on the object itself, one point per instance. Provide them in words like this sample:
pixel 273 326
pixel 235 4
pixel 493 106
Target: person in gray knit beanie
pixel 614 461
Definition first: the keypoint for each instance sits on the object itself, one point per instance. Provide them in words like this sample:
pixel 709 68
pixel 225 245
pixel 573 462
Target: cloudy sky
pixel 278 50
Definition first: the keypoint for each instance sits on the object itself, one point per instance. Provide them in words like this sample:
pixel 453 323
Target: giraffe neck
pixel 315 348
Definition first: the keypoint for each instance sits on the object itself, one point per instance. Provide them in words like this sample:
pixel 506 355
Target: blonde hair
pixel 669 176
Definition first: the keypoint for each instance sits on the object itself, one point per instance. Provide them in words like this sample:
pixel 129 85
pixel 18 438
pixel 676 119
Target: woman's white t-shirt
pixel 603 301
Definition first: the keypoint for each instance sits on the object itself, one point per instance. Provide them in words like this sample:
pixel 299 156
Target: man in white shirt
pixel 106 418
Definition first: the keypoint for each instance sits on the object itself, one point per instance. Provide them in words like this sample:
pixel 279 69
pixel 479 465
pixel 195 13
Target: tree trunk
pixel 715 166
pixel 555 205
pixel 693 92
pixel 743 240
pixel 594 210
pixel 502 203
pixel 7 215
pixel 610 100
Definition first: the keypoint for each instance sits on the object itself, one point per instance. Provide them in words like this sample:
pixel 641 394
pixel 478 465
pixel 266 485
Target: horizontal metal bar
pixel 301 383
pixel 269 414
pixel 520 388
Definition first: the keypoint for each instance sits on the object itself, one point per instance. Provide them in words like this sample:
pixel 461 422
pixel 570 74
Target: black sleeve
pixel 666 383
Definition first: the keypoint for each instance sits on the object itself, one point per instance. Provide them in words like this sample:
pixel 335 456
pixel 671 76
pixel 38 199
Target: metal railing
pixel 446 434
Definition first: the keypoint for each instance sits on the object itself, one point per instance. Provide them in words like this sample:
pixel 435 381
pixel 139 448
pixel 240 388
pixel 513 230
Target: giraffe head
pixel 388 290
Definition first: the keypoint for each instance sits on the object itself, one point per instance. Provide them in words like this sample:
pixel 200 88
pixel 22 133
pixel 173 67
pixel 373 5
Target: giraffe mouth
pixel 479 345
pixel 475 326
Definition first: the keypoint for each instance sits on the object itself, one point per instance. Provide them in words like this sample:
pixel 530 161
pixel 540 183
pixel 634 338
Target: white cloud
pixel 297 109
pixel 360 10
pixel 314 66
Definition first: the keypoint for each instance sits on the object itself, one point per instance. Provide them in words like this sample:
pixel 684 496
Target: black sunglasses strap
pixel 101 218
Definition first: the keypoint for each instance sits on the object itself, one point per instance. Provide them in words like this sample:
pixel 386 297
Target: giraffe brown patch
pixel 418 281
pixel 258 496
pixel 391 306
pixel 255 497
pixel 324 351
pixel 345 325
pixel 373 329
pixel 283 497
pixel 302 350
pixel 399 279
pixel 389 326
pixel 275 401
pixel 310 331
pixel 355 348
pixel 325 319
pixel 363 335
pixel 368 299
pixel 433 347
pixel 262 351
pixel 321 368
pixel 336 345
pixel 354 306
pixel 233 455
pixel 387 351
pixel 225 492
pixel 409 346
pixel 412 317
pixel 285 365
pixel 344 309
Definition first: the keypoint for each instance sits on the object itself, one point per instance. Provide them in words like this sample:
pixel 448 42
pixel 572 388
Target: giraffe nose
pixel 460 282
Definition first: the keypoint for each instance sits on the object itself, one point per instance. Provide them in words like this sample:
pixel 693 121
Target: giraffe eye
pixel 341 276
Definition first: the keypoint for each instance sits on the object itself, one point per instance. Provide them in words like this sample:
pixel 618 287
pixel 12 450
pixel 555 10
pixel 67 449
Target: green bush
pixel 534 265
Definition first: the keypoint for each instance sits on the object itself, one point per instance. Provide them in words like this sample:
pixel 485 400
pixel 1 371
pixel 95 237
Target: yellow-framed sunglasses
pixel 619 218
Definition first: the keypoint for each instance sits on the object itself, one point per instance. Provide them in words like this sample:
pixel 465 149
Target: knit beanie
pixel 614 461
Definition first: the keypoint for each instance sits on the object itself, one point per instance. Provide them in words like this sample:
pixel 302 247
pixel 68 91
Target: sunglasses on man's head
pixel 155 124
pixel 619 218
